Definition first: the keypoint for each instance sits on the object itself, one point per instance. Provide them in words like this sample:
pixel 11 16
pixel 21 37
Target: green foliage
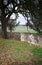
pixel 12 24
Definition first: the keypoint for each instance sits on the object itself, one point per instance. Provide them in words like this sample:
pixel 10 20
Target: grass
pixel 23 29
pixel 14 52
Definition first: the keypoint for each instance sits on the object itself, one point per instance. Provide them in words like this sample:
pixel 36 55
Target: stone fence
pixel 31 38
pixel 26 37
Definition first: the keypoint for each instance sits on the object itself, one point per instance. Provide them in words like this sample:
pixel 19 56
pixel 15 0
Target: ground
pixel 23 29
pixel 14 52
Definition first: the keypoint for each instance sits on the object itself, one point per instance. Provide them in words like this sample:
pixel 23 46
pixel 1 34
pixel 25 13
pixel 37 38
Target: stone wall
pixel 15 36
pixel 31 38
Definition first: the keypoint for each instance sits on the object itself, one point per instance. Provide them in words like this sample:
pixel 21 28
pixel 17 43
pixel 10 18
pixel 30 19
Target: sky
pixel 20 19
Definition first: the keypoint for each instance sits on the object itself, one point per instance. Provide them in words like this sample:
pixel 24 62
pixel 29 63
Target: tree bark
pixel 4 28
pixel 27 28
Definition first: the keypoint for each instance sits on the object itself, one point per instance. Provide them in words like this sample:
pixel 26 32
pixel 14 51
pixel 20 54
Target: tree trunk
pixel 10 33
pixel 38 30
pixel 27 28
pixel 4 28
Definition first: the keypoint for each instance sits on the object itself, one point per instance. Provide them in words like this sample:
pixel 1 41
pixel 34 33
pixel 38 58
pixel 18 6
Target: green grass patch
pixel 23 29
pixel 19 52
pixel 37 51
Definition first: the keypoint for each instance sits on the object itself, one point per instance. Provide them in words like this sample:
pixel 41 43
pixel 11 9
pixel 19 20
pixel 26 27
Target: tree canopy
pixel 32 8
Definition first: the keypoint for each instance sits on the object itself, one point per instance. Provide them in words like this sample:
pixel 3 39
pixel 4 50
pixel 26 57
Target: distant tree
pixel 11 25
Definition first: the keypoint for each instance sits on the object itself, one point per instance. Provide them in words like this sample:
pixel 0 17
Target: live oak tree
pixel 35 12
pixel 34 7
